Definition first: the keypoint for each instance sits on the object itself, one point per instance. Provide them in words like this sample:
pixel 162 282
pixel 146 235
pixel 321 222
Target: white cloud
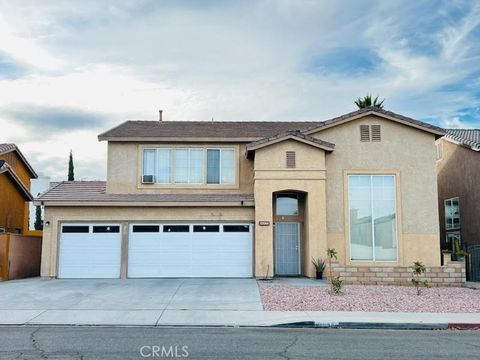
pixel 25 49
pixel 227 60
pixel 455 123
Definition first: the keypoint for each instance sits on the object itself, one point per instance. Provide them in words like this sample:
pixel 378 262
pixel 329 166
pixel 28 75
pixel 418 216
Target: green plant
pixel 38 225
pixel 418 270
pixel 319 264
pixel 367 101
pixel 337 285
pixel 71 174
pixel 458 250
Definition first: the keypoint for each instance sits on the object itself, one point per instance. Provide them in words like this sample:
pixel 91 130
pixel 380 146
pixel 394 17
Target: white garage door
pixel 89 251
pixel 213 250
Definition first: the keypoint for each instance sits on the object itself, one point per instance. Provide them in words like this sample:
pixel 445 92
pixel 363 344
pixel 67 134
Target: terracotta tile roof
pixel 246 130
pixel 95 191
pixel 466 137
pixel 7 170
pixel 6 148
pixel 296 135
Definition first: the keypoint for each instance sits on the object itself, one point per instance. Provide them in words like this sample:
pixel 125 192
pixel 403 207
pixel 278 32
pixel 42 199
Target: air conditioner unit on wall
pixel 148 179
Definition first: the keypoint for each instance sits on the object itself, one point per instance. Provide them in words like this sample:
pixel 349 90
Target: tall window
pixel 190 165
pixel 373 217
pixel 452 214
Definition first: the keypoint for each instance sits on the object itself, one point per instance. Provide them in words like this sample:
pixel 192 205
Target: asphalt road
pixel 65 343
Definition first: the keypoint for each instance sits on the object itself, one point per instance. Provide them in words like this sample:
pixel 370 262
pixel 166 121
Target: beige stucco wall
pixel 57 215
pixel 271 175
pixel 404 151
pixel 125 166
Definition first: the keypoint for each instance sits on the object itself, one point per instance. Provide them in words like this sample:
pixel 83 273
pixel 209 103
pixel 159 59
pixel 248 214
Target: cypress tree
pixel 71 175
pixel 38 225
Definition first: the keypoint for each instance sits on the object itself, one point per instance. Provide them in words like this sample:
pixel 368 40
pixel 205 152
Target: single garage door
pixel 89 251
pixel 190 250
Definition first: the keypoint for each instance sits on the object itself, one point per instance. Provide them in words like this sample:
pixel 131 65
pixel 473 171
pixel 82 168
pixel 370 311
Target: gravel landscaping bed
pixel 370 298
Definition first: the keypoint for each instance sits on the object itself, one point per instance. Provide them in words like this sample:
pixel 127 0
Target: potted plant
pixel 459 252
pixel 319 267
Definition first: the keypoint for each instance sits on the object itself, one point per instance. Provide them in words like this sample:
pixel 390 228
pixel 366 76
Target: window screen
pixel 213 166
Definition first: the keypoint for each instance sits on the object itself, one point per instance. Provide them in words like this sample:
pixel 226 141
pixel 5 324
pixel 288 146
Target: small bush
pixel 337 285
pixel 418 270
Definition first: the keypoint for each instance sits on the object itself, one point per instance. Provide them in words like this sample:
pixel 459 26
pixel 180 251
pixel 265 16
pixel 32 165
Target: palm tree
pixel 367 102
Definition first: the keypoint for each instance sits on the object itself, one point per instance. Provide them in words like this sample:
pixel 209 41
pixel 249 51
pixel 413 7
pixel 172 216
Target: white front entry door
pixel 89 251
pixel 190 250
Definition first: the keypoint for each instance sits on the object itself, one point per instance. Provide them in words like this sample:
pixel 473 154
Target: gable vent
pixel 290 159
pixel 364 133
pixel 376 133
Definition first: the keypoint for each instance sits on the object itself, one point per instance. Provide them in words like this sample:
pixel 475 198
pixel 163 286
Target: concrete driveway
pixel 130 294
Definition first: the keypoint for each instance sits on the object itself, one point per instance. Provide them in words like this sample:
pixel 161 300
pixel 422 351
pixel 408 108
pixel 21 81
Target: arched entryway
pixel 289 218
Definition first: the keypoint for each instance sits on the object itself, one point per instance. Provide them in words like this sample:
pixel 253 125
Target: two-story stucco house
pixel 252 198
pixel 458 168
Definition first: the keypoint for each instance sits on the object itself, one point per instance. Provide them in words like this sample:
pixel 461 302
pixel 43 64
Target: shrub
pixel 337 285
pixel 418 270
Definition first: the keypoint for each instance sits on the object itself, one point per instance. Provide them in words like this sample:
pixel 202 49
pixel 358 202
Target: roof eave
pixel 290 137
pixel 26 193
pixel 123 203
pixel 461 143
pixel 358 115
pixel 178 139
pixel 24 159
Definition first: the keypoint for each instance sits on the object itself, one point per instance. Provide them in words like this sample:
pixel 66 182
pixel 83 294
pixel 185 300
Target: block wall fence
pixel 451 273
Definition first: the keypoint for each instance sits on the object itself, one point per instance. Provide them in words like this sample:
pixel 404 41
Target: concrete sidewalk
pixel 238 318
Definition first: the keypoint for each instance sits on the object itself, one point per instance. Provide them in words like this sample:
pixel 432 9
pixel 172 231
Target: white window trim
pixel 373 221
pixel 204 164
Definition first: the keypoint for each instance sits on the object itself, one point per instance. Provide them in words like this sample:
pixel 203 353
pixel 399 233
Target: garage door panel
pixel 89 255
pixel 205 252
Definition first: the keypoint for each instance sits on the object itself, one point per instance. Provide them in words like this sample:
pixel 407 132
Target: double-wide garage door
pixel 156 250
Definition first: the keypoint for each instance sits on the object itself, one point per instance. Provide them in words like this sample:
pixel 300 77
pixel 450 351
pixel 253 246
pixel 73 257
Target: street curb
pixel 463 326
pixel 393 326
pixel 369 325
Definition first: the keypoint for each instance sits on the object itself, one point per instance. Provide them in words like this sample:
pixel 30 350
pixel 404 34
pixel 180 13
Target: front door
pixel 287 248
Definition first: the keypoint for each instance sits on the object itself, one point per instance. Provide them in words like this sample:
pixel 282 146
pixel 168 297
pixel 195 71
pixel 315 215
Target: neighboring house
pixel 15 176
pixel 458 168
pixel 253 198
pixel 37 186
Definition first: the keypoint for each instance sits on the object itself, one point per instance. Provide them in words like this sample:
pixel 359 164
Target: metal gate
pixel 474 262
pixel 287 248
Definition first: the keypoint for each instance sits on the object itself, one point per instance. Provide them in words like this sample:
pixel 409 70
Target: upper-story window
pixel 190 165
pixel 452 213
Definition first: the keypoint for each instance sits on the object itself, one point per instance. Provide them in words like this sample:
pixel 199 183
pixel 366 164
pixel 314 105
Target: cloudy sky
pixel 72 69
